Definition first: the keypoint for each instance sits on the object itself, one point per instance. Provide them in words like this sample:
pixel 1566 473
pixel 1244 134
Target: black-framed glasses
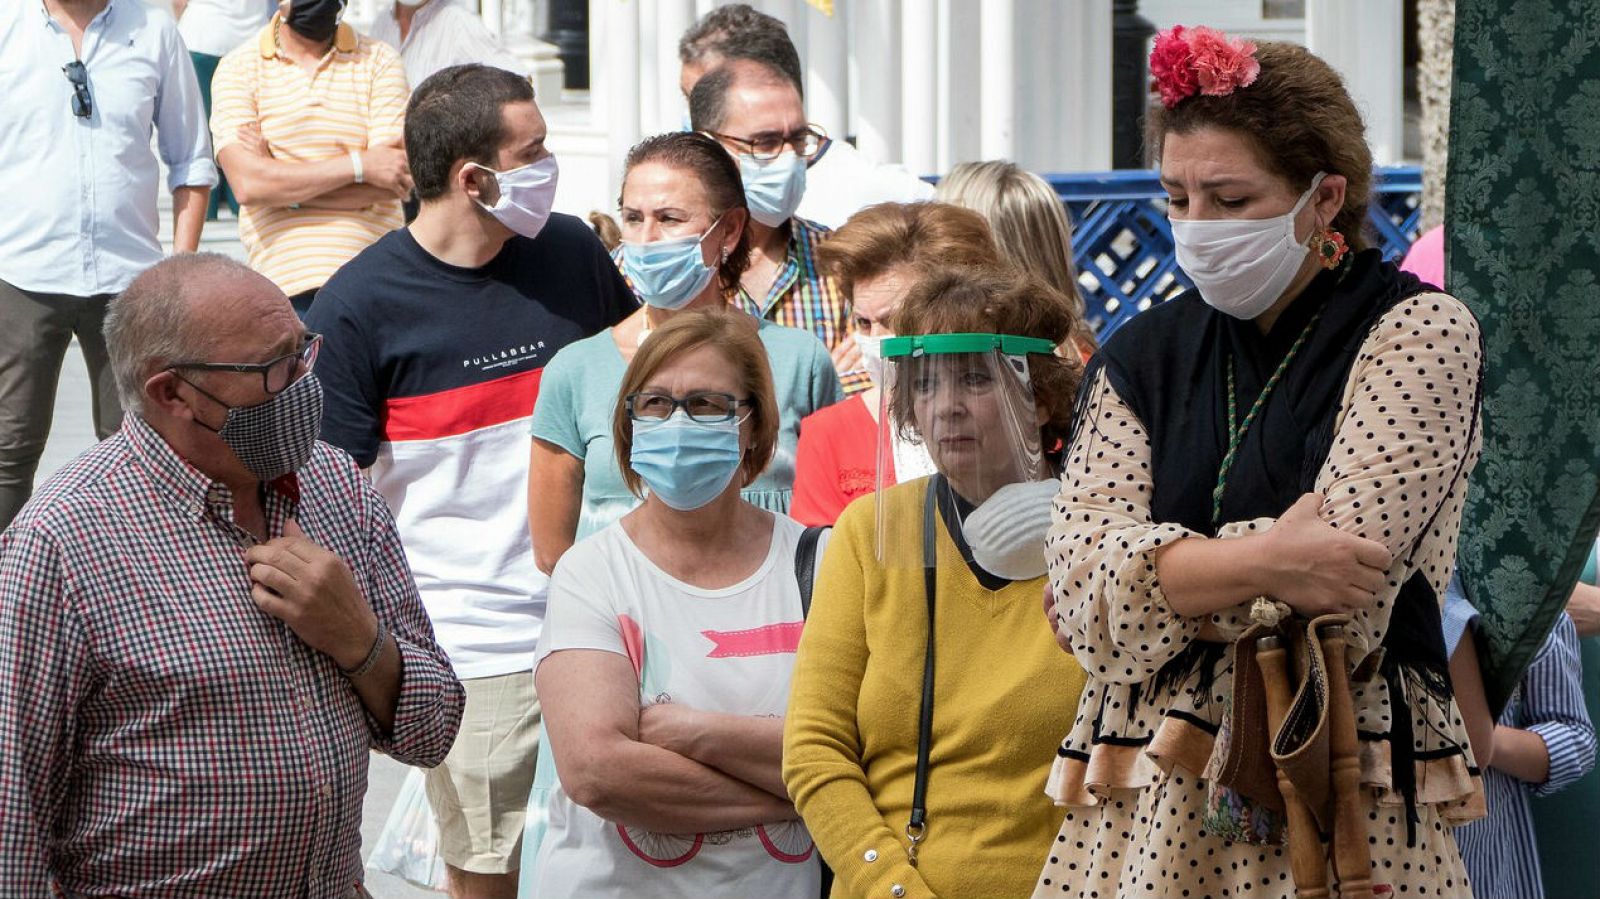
pixel 705 406
pixel 78 74
pixel 276 375
pixel 764 147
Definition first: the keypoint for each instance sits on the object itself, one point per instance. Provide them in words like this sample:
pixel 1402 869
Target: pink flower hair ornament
pixel 1200 60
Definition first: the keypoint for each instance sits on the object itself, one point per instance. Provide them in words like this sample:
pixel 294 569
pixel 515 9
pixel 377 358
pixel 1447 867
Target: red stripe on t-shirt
pixel 451 412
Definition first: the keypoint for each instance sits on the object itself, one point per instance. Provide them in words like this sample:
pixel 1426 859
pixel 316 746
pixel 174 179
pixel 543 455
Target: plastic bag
pixel 408 846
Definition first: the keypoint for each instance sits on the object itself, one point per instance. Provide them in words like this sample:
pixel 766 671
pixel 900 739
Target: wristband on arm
pixel 355 165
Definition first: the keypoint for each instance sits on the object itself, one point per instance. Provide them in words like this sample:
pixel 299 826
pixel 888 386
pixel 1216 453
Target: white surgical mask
pixel 1007 531
pixel 526 195
pixel 1242 267
pixel 871 357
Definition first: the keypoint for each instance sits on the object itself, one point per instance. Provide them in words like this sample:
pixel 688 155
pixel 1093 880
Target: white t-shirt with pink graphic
pixel 729 650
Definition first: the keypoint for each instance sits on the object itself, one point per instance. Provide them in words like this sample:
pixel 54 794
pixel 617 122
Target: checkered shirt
pixel 160 735
pixel 803 297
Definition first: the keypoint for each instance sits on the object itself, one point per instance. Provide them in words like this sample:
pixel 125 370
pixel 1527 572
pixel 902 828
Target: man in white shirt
pixel 86 83
pixel 436 34
pixel 839 179
pixel 211 28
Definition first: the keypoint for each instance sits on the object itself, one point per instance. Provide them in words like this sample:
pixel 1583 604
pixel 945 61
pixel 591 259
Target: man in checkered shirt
pixel 206 623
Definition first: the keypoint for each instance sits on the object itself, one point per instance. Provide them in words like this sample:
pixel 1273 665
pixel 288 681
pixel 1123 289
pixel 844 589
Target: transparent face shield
pixel 967 400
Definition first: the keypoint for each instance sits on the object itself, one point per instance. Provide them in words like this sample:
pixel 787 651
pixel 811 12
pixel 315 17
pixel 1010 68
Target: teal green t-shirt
pixel 578 392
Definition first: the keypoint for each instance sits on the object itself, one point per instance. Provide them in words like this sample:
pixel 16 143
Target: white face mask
pixel 526 195
pixel 1242 267
pixel 871 357
pixel 1007 531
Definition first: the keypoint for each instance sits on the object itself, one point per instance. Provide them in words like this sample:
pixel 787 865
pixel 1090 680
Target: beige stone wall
pixel 1436 28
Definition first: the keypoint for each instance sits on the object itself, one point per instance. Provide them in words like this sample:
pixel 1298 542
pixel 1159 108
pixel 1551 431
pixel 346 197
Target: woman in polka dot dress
pixel 1300 427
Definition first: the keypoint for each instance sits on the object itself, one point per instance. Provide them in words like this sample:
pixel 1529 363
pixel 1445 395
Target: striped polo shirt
pixel 355 99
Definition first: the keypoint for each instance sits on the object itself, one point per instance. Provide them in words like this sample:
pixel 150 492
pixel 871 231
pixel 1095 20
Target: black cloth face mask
pixel 315 20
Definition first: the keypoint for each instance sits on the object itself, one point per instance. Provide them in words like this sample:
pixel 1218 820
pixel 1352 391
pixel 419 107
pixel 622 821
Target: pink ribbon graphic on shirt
pixel 770 640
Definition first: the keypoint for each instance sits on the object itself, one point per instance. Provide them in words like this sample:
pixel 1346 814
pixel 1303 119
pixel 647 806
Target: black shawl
pixel 1169 365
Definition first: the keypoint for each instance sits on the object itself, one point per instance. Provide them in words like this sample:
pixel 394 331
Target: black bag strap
pixel 805 574
pixel 917 827
pixel 805 564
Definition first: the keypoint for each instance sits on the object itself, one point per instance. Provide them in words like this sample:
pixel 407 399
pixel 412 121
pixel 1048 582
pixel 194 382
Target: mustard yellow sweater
pixel 1004 693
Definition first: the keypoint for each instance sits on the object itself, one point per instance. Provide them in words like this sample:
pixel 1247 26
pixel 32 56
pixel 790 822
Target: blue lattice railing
pixel 1123 245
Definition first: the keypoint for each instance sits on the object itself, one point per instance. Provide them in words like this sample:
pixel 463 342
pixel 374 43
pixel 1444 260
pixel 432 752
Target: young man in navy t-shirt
pixel 434 339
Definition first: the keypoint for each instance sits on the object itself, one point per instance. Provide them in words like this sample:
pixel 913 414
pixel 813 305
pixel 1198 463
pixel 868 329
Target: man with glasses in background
pixel 86 82
pixel 754 111
pixel 207 622
pixel 839 179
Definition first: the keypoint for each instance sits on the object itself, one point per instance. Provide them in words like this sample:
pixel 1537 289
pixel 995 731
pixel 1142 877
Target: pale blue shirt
pixel 80 193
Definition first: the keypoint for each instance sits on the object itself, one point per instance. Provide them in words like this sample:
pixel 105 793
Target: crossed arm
pixel 708 772
pixel 258 179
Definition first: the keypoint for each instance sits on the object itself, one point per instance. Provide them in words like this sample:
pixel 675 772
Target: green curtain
pixel 1523 251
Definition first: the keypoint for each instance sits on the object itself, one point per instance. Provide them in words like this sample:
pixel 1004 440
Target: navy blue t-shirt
pixel 416 349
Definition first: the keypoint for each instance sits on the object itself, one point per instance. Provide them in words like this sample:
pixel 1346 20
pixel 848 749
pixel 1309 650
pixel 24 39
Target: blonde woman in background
pixel 1030 224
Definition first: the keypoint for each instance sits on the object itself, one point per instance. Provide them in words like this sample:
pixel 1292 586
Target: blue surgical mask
pixel 686 463
pixel 773 187
pixel 668 273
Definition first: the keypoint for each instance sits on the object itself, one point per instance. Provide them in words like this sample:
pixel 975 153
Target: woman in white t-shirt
pixel 667 650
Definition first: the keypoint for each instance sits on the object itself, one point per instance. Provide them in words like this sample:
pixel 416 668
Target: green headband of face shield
pixel 941 344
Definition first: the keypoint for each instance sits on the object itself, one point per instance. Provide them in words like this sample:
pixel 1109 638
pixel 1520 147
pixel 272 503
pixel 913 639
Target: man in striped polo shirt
pixel 307 121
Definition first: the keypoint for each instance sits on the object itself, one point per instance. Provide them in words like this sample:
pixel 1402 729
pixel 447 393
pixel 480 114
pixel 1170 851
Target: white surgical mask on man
pixel 526 195
pixel 1242 267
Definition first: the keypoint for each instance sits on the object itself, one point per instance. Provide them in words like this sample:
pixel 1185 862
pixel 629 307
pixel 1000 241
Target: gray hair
pixel 147 326
pixel 739 31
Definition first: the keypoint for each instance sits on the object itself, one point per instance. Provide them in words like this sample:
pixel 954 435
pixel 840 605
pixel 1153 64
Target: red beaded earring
pixel 1331 248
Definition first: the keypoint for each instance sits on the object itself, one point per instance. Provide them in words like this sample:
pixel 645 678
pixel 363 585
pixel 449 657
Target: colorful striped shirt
pixel 801 296
pixel 356 99
pixel 1501 851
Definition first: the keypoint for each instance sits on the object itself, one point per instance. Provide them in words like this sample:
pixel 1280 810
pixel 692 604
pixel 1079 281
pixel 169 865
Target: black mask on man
pixel 315 20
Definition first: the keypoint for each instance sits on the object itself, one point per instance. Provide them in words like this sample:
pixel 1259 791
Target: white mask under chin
pixel 1007 531
pixel 1242 267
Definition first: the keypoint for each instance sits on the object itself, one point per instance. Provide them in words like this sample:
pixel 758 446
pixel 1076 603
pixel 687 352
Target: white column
pixel 997 84
pixel 493 15
pixel 875 41
pixel 519 26
pixel 957 83
pixel 647 49
pixel 919 85
pixel 827 70
pixel 1067 47
pixel 1363 42
pixel 614 50
pixel 673 18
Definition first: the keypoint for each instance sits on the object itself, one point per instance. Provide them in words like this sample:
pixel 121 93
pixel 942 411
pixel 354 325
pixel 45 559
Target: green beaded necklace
pixel 1236 431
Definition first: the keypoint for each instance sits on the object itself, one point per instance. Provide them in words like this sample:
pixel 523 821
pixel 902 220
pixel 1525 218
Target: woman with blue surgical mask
pixel 664 664
pixel 684 247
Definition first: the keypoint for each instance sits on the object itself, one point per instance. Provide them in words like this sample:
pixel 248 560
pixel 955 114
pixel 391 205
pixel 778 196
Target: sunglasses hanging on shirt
pixel 78 74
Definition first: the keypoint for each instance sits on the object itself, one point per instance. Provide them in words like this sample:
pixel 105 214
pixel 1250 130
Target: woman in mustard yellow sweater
pixel 979 383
